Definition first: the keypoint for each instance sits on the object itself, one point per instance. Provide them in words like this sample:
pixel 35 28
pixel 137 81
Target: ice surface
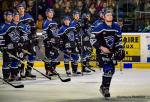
pixel 131 85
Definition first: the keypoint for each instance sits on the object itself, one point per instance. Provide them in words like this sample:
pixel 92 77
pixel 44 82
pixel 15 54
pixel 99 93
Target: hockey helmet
pixel 49 10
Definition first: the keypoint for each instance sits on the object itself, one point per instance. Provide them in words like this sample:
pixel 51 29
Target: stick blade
pixel 19 86
pixel 66 80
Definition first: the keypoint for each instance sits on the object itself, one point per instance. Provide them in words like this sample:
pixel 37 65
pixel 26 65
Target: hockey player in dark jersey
pixel 14 35
pixel 86 47
pixel 76 24
pixel 109 42
pixel 94 25
pixel 51 42
pixel 4 29
pixel 27 20
pixel 99 20
pixel 70 46
pixel 19 36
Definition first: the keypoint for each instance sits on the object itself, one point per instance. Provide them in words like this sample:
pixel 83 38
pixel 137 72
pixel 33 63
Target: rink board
pixel 40 64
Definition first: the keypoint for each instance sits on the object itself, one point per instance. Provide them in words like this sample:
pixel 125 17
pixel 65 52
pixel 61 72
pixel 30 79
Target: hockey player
pixel 27 19
pixel 109 44
pixel 86 47
pixel 13 36
pixel 70 47
pixel 4 30
pixel 76 25
pixel 99 20
pixel 51 42
pixel 94 25
pixel 18 36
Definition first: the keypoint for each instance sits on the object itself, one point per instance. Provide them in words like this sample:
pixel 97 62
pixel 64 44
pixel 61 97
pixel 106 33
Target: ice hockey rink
pixel 130 85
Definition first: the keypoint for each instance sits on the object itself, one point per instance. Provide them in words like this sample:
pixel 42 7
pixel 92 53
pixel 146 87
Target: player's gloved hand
pixel 10 46
pixel 20 45
pixel 35 41
pixel 104 50
pixel 119 54
pixel 68 51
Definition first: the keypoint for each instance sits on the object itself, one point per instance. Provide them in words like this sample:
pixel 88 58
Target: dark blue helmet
pixel 20 5
pixel 7 13
pixel 75 12
pixel 85 15
pixel 66 18
pixel 49 10
pixel 107 10
pixel 15 13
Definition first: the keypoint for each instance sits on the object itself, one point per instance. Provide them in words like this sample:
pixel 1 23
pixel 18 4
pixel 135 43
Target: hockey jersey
pixel 96 23
pixel 29 23
pixel 108 36
pixel 50 30
pixel 67 35
pixel 13 33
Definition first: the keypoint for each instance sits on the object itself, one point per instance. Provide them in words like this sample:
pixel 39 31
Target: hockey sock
pixel 29 66
pixel 21 68
pixel 6 73
pixel 83 65
pixel 106 81
pixel 74 67
pixel 67 66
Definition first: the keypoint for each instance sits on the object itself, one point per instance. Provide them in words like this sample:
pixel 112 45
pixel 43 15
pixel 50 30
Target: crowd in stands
pixel 62 7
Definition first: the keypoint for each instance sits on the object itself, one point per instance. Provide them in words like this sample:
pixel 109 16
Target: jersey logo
pixel 14 36
pixel 71 36
pixel 109 41
pixel 28 28
pixel 92 41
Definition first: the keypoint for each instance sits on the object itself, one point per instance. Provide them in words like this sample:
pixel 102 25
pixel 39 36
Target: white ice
pixel 130 85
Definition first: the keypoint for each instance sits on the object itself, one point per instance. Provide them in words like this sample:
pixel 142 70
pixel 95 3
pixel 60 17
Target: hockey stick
pixel 63 80
pixel 69 56
pixel 31 67
pixel 15 86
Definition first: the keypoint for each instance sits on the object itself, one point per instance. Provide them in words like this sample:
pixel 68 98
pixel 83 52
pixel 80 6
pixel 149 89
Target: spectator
pixel 42 6
pixel 58 12
pixel 92 11
pixel 67 11
pixel 104 5
pixel 39 22
pixel 31 8
pixel 16 2
pixel 68 4
pixel 51 3
pixel 99 5
pixel 79 6
pixel 4 5
pixel 62 3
